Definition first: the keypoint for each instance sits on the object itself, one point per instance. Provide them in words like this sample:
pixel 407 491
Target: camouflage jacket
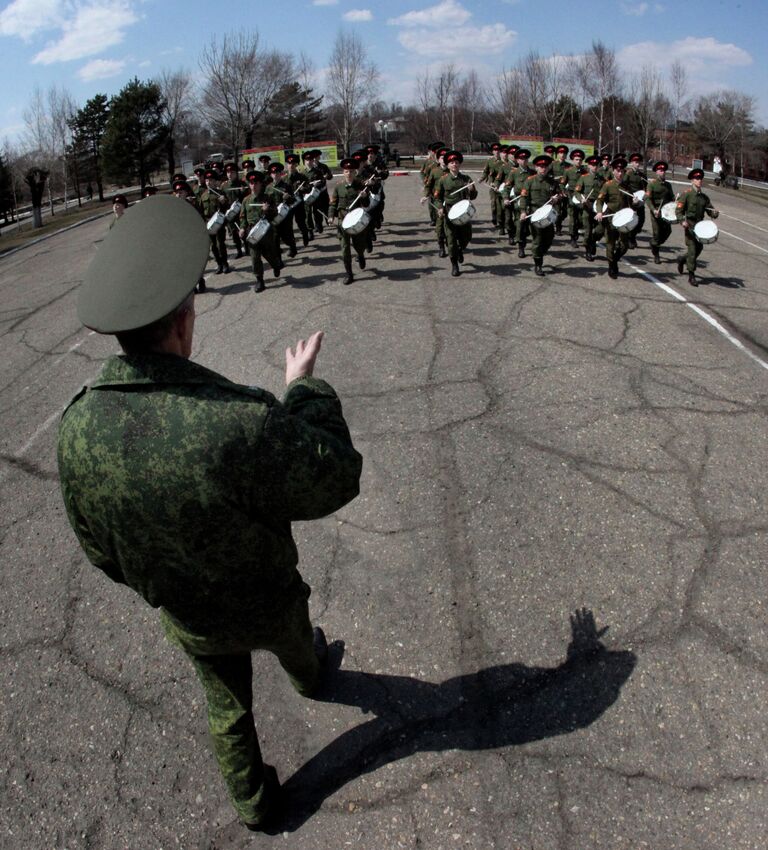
pixel 183 486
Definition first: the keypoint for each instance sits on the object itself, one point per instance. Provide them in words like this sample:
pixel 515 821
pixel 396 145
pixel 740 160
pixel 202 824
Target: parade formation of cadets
pixel 300 193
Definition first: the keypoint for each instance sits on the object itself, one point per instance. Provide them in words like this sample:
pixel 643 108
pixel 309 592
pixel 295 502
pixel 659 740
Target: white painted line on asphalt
pixel 741 221
pixel 752 244
pixel 703 313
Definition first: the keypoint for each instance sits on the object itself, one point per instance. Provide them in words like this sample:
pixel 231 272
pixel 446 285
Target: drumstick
pixel 465 186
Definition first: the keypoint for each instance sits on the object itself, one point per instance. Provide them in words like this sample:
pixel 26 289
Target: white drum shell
pixel 216 222
pixel 639 196
pixel 461 213
pixel 258 232
pixel 282 211
pixel 544 216
pixel 312 196
pixel 577 199
pixel 355 221
pixel 625 220
pixel 234 211
pixel 668 212
pixel 705 232
pixel 374 201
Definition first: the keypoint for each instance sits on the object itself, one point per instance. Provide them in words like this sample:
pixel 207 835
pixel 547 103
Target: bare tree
pixel 678 80
pixel 61 110
pixel 650 108
pixel 548 87
pixel 598 75
pixel 722 121
pixel 507 98
pixel 469 103
pixel 352 84
pixel 176 90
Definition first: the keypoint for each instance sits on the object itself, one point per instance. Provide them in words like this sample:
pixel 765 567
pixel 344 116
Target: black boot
pixel 574 241
pixel 201 287
pixel 369 245
pixel 656 257
pixel 460 255
pixel 292 251
pixel 537 267
pixel 361 260
pixel 692 279
pixel 348 269
pixel 455 272
pixel 310 235
pixel 521 250
pixel 305 239
pixel 613 269
pixel 260 287
pixel 220 270
pixel 227 269
pixel 680 264
pixel 441 253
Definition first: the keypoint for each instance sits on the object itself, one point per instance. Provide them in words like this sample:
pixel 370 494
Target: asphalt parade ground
pixel 544 459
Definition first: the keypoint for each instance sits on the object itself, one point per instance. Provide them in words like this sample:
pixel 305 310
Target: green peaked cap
pixel 147 265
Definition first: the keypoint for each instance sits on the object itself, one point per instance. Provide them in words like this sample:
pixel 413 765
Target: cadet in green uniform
pixel 539 189
pixel 488 176
pixel 447 193
pixel 183 485
pixel 559 169
pixel 690 210
pixel 372 173
pixel 234 189
pixel 521 225
pixel 589 186
pixel 181 189
pixel 349 194
pixel 211 201
pixel 438 170
pixel 299 186
pixel 502 172
pixel 202 184
pixel 281 192
pixel 571 179
pixel 320 207
pixel 657 193
pixel 605 171
pixel 258 205
pixel 610 200
pixel 635 181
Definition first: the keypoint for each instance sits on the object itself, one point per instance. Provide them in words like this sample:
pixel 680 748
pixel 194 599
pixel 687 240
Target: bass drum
pixel 668 212
pixel 625 220
pixel 258 232
pixel 705 232
pixel 461 213
pixel 355 221
pixel 544 216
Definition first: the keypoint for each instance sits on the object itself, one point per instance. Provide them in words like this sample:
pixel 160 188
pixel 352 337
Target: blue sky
pixel 91 46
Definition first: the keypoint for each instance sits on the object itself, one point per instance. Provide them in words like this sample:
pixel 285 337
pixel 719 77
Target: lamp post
pixel 383 128
pixel 618 142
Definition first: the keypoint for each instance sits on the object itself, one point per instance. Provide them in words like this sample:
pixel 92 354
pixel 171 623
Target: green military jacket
pixel 490 169
pixel 692 206
pixel 537 191
pixel 183 486
pixel 433 178
pixel 559 169
pixel 445 188
pixel 611 199
pixel 521 177
pixel 572 176
pixel 343 195
pixel 657 193
pixel 210 202
pixel 253 211
pixel 589 185
pixel 235 190
pixel 378 171
pixel 634 180
pixel 278 190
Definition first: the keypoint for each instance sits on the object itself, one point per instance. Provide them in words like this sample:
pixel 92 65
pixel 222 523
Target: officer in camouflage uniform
pixel 346 194
pixel 489 176
pixel 635 181
pixel 259 204
pixel 610 200
pixel 690 210
pixel 539 189
pixel 589 185
pixel 183 485
pixel 446 193
pixel 657 193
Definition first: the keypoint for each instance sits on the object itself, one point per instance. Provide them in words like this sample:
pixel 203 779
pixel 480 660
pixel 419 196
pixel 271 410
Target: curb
pixel 11 251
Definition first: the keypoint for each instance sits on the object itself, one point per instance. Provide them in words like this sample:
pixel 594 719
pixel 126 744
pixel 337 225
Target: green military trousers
pixel 358 241
pixel 457 237
pixel 661 231
pixel 616 243
pixel 223 666
pixel 541 240
pixel 267 248
pixel 693 249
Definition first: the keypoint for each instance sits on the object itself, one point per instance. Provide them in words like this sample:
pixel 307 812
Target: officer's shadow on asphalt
pixel 502 706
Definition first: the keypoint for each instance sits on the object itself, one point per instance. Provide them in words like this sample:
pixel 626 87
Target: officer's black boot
pixel 441 252
pixel 538 262
pixel 680 264
pixel 692 279
pixel 455 272
pixel 348 268
pixel 259 284
pixel 656 257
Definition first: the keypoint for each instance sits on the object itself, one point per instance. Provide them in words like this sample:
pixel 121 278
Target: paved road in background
pixel 533 447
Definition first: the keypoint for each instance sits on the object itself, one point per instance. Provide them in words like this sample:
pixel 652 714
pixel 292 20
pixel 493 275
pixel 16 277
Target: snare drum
pixel 355 221
pixel 625 220
pixel 312 196
pixel 705 232
pixel 544 216
pixel 282 211
pixel 374 201
pixel 234 211
pixel 216 222
pixel 668 212
pixel 638 197
pixel 461 213
pixel 577 199
pixel 258 232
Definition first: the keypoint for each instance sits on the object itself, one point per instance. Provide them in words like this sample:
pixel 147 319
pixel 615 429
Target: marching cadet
pixel 323 202
pixel 374 171
pixel 212 201
pixel 181 189
pixel 234 189
pixel 264 161
pixel 571 179
pixel 312 175
pixel 634 181
pixel 539 189
pixel 435 175
pixel 559 170
pixel 605 171
pixel 247 165
pixel 488 176
pixel 150 191
pixel 589 185
pixel 347 194
pixel 523 172
pixel 258 205
pixel 659 192
pixel 202 183
pixel 502 173
pixel 611 199
pixel 281 192
pixel 431 165
pixel 690 211
pixel 299 186
pixel 452 188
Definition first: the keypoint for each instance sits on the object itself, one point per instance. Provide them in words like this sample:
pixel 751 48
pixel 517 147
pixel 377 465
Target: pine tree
pixel 295 116
pixel 6 191
pixel 88 128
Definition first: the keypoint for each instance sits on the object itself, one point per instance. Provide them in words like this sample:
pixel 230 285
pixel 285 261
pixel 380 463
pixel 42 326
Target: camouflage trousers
pixel 226 677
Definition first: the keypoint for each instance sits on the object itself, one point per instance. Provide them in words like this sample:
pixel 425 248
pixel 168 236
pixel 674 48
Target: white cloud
pixel 100 69
pixel 637 9
pixel 357 15
pixel 448 13
pixel 145 64
pixel 24 18
pixel 325 2
pixel 699 55
pixel 91 30
pixel 463 41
